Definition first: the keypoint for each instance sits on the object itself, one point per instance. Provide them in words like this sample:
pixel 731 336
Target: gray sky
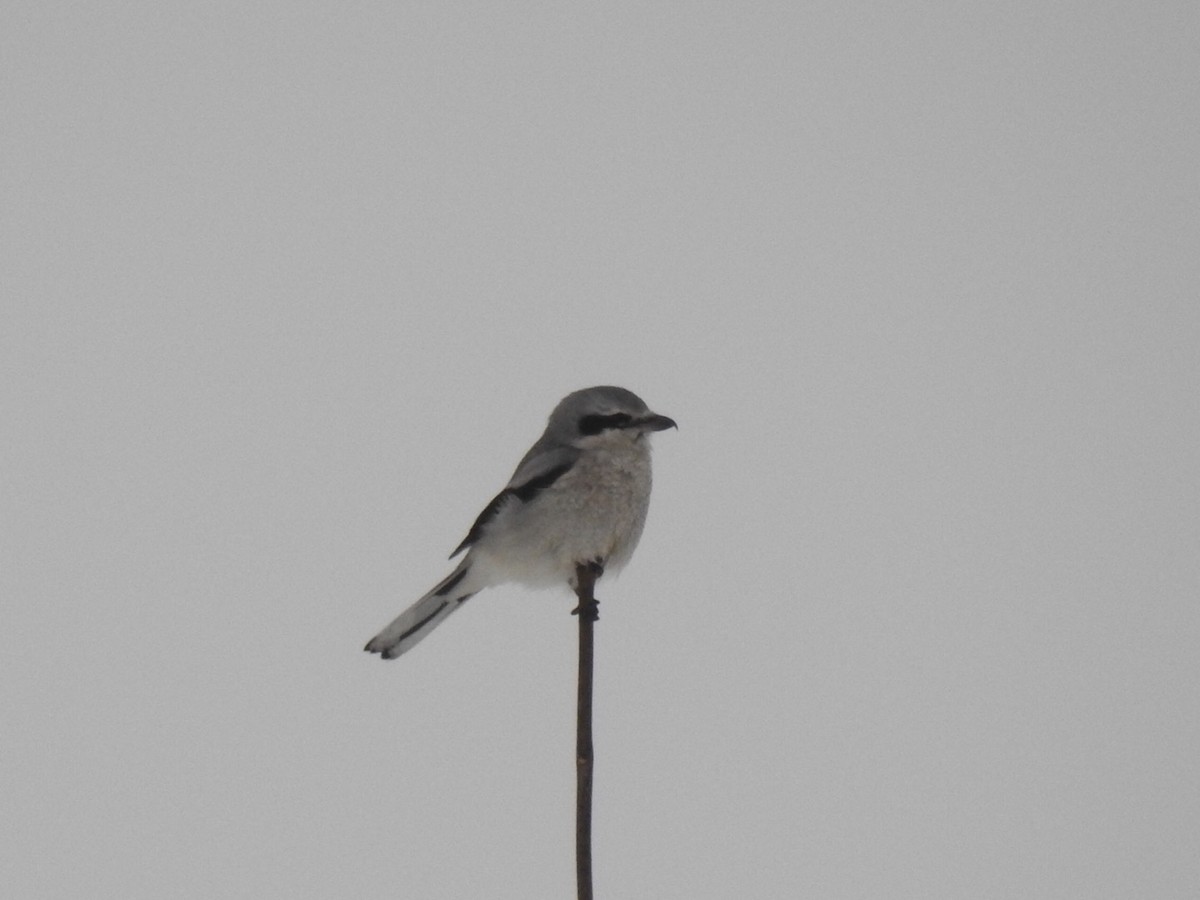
pixel 289 288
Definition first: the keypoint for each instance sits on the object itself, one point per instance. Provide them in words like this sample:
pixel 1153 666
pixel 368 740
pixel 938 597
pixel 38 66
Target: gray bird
pixel 580 495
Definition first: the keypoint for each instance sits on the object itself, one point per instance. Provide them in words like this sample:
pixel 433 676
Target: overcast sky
pixel 287 290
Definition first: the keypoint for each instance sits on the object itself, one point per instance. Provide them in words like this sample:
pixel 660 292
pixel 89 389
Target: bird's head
pixel 603 414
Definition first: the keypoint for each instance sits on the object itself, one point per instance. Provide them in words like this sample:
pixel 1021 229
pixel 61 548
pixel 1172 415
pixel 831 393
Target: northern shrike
pixel 579 496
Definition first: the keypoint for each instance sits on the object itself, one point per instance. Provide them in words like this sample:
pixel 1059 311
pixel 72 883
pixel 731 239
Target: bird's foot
pixel 589 608
pixel 586 574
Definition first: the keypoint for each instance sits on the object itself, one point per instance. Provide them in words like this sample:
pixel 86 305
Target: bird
pixel 578 497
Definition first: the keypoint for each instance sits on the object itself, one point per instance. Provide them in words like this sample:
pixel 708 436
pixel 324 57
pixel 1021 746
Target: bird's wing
pixel 533 475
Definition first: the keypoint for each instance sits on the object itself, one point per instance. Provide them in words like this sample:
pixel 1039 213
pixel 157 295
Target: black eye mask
pixel 594 424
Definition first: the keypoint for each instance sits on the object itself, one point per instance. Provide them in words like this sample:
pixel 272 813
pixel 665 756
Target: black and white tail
pixel 408 628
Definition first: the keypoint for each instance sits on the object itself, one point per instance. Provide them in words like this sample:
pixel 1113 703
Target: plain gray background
pixel 289 288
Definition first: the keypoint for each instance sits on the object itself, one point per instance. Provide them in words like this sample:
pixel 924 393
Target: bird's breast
pixel 594 511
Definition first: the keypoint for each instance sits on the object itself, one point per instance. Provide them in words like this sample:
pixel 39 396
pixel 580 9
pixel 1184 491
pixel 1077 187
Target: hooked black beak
pixel 654 422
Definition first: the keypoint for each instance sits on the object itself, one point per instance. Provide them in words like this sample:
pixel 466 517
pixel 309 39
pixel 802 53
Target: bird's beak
pixel 654 422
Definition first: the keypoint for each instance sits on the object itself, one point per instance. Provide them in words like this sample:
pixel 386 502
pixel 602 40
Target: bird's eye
pixel 594 424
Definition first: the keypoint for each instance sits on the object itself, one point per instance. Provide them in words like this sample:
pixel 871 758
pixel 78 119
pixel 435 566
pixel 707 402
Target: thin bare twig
pixel 588 612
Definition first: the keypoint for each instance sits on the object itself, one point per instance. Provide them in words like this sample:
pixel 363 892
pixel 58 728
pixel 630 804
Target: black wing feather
pixel 523 492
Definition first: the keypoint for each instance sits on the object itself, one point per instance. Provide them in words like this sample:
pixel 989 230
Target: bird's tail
pixel 408 628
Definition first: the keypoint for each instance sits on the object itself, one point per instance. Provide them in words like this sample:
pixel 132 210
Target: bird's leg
pixel 585 585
